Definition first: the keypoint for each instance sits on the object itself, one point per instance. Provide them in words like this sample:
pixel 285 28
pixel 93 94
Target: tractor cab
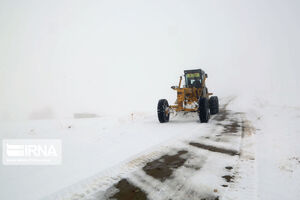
pixel 194 78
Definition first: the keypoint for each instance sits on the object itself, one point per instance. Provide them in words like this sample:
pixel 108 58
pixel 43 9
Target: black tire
pixel 214 105
pixel 203 110
pixel 161 111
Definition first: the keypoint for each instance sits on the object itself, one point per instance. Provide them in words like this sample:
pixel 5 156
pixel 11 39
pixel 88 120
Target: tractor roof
pixel 194 71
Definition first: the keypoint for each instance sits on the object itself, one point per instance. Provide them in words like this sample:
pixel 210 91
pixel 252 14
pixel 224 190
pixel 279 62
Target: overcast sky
pixel 115 57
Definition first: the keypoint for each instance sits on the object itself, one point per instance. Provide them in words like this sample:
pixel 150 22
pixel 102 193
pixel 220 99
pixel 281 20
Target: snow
pixel 273 171
pixel 278 165
pixel 96 148
pixel 89 146
pixel 90 74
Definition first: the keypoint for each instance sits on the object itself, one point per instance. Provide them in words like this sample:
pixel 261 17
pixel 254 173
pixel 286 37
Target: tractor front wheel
pixel 214 105
pixel 163 111
pixel 203 110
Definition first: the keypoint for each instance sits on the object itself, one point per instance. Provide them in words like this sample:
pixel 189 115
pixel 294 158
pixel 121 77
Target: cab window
pixel 191 77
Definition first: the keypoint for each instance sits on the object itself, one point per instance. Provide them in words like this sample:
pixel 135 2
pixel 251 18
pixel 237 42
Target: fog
pixel 63 57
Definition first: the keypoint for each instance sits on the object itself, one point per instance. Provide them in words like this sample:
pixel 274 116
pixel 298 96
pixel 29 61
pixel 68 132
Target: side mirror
pixel 206 76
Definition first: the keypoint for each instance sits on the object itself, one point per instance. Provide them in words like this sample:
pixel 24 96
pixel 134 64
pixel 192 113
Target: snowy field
pixel 238 155
pixel 90 74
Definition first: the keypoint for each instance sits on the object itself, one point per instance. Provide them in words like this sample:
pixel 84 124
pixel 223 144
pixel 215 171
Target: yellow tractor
pixel 192 97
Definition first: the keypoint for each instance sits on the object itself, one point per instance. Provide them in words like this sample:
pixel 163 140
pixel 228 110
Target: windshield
pixel 190 78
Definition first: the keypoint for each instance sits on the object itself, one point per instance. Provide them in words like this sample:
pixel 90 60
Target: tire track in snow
pixel 199 173
pixel 180 191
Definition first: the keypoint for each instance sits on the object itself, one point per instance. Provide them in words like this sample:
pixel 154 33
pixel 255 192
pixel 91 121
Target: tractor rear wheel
pixel 162 111
pixel 203 110
pixel 214 105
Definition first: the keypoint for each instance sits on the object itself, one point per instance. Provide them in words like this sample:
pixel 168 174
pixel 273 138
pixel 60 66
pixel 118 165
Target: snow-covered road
pixel 234 156
pixel 199 163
